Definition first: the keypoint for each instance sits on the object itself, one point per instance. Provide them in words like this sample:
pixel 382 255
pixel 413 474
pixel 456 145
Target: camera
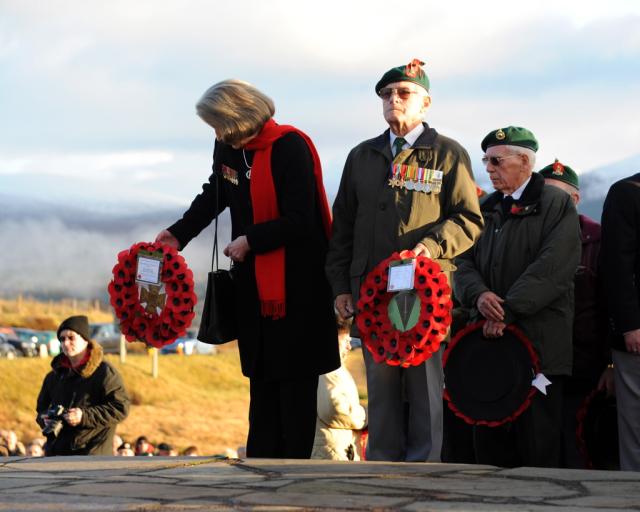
pixel 56 421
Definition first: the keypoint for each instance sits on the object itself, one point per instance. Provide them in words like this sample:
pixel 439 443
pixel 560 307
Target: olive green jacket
pixel 372 220
pixel 529 258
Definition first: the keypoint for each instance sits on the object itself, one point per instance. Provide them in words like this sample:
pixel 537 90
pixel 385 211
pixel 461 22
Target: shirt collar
pixel 410 137
pixel 517 193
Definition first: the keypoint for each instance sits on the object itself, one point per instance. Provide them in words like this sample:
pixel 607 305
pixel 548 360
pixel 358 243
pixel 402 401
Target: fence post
pixel 123 349
pixel 154 363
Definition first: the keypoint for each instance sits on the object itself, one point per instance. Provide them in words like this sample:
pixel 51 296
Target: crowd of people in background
pixel 12 446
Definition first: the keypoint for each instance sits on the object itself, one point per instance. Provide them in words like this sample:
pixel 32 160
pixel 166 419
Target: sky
pixel 97 99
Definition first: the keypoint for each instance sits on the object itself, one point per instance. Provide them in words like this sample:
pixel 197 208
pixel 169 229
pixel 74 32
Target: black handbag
pixel 218 324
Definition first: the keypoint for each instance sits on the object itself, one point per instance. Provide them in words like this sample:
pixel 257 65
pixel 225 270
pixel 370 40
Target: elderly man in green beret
pixel 590 353
pixel 431 209
pixel 521 272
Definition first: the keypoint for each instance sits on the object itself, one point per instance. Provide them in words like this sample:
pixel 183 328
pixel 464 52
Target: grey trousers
pixel 627 377
pixel 405 410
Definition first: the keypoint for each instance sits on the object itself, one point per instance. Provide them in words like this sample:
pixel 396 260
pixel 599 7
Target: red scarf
pixel 270 266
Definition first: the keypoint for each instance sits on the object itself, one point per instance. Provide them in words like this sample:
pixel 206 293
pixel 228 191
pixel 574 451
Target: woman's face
pixel 71 343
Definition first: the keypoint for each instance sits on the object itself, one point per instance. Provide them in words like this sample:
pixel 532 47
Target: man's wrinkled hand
pixel 421 250
pixel 492 329
pixel 632 341
pixel 490 306
pixel 344 305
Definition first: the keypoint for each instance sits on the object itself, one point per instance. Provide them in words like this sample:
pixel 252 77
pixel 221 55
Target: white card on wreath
pixel 148 270
pixel 401 277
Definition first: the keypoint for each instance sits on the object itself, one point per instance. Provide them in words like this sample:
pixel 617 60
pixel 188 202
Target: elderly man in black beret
pixel 433 210
pixel 521 272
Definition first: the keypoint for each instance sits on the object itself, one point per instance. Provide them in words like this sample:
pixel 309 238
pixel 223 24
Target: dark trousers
pixel 282 418
pixel 533 439
pixel 575 392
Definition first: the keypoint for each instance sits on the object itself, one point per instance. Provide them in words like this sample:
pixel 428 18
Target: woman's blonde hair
pixel 235 110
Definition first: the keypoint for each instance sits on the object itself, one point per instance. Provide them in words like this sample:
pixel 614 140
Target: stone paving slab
pixel 199 483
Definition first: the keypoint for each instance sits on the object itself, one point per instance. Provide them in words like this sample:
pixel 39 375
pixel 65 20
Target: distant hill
pixel 595 184
pixel 53 250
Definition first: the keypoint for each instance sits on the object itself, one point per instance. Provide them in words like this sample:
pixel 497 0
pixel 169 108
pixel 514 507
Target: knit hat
pixel 79 324
pixel 510 136
pixel 411 72
pixel 561 172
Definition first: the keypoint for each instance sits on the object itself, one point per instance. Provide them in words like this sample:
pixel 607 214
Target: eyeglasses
pixel 495 160
pixel 403 94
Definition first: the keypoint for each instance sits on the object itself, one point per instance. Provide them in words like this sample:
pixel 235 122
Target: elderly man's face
pixel 572 191
pixel 507 170
pixel 408 111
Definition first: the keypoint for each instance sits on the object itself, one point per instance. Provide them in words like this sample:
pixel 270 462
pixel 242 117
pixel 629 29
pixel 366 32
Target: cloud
pixel 91 166
pixel 55 258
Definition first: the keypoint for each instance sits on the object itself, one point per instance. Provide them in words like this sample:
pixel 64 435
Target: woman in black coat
pixel 269 176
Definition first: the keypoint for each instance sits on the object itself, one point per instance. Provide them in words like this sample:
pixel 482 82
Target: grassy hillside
pixel 200 400
pixel 34 314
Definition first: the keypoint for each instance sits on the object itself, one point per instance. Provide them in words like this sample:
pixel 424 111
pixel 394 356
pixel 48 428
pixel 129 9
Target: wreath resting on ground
pixel 154 314
pixel 404 328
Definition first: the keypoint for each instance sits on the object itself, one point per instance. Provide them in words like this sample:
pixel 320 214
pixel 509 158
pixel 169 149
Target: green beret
pixel 510 136
pixel 561 172
pixel 412 72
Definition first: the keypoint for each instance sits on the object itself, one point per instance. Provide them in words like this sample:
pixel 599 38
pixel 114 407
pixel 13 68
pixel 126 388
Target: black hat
pixel 488 381
pixel 79 324
pixel 597 431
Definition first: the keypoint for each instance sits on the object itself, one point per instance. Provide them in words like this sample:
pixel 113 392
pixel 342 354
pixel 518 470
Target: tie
pixel 507 203
pixel 397 145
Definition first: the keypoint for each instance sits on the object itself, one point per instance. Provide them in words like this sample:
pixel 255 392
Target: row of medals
pixel 397 180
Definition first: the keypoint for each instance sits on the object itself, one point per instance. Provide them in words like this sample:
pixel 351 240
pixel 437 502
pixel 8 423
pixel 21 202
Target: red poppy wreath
pixel 154 313
pixel 404 328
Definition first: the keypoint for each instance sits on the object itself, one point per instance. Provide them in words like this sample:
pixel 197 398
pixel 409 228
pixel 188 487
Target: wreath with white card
pixel 404 328
pixel 152 294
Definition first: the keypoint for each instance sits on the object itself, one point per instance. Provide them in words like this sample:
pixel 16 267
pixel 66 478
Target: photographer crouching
pixel 82 399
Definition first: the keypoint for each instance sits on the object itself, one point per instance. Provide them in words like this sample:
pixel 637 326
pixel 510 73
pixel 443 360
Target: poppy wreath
pixel 591 423
pixel 410 347
pixel 535 364
pixel 156 315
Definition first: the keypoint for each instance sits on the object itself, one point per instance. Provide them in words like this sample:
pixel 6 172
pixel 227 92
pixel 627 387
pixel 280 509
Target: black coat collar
pixel 527 202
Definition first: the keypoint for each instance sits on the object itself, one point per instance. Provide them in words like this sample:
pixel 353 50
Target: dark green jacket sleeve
pixel 114 406
pixel 553 269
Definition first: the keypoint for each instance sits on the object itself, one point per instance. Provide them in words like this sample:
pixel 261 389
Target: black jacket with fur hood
pixel 97 389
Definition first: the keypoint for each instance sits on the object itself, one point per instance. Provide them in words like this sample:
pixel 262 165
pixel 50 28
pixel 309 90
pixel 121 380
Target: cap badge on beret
pixel 500 135
pixel 558 168
pixel 413 68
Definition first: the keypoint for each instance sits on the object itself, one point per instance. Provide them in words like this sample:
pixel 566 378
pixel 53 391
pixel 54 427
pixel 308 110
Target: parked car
pixel 7 350
pixel 25 341
pixel 188 346
pixel 50 339
pixel 22 348
pixel 108 335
